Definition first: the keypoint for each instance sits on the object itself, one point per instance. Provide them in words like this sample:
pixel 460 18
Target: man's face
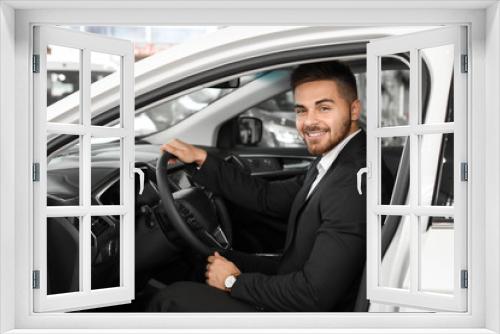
pixel 323 116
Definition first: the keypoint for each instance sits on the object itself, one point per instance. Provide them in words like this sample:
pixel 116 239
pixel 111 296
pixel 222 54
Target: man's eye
pixel 299 111
pixel 324 108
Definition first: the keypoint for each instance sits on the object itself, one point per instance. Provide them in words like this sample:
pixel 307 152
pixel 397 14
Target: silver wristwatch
pixel 229 281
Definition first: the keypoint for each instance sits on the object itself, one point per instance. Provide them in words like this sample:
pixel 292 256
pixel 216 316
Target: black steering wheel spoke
pixel 192 212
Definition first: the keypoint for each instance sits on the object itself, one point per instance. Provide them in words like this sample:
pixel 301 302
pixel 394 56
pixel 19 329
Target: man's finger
pixel 220 257
pixel 178 142
pixel 169 148
pixel 165 148
pixel 211 259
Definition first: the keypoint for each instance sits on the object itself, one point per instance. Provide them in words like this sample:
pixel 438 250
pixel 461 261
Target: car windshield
pixel 168 112
pixel 165 113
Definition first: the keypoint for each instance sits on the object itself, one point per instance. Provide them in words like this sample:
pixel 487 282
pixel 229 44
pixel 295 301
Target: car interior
pixel 176 220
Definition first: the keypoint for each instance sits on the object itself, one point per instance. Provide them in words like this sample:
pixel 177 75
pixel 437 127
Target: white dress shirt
pixel 328 159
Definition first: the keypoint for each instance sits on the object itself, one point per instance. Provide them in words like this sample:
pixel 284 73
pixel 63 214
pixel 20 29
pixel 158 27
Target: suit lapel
pixel 301 200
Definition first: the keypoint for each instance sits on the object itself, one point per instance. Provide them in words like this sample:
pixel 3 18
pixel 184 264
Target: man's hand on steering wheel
pixel 185 152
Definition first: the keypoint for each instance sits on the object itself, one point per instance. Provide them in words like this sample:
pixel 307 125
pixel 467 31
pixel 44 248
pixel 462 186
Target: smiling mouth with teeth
pixel 315 134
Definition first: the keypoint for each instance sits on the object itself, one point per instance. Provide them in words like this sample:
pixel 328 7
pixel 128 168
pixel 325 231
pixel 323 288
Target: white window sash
pixel 86 297
pixel 412 43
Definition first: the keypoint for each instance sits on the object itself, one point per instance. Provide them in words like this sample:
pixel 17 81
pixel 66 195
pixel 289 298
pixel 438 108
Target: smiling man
pixel 324 251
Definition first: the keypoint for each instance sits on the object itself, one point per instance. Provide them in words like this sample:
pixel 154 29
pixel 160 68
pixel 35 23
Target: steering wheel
pixel 192 213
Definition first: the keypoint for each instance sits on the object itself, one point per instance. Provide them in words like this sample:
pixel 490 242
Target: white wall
pixel 7 176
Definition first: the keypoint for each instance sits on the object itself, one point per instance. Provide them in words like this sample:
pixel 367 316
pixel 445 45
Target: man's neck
pixel 354 127
pixel 344 141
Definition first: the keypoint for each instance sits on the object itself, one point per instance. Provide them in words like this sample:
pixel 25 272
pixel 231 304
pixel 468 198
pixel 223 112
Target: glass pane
pixel 63 255
pixel 106 165
pixel 104 75
pixel 436 169
pixel 105 248
pixel 394 90
pixel 436 85
pixel 436 254
pixel 63 175
pixel 395 262
pixel 395 152
pixel 361 86
pixel 63 79
pixel 129 33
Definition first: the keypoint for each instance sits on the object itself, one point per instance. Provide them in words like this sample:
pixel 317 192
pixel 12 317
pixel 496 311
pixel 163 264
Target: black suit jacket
pixel 325 246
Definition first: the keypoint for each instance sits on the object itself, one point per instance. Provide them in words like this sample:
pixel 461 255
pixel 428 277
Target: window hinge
pixel 464 279
pixel 36 279
pixel 36 172
pixel 465 64
pixel 36 63
pixel 464 171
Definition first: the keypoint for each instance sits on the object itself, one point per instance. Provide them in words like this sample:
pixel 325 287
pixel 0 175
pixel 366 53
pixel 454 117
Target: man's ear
pixel 355 110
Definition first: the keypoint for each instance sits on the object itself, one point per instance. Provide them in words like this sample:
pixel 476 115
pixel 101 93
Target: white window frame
pixel 16 17
pixel 86 44
pixel 413 43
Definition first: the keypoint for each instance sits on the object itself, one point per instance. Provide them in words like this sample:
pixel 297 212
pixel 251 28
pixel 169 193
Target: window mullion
pixel 414 169
pixel 85 265
pixel 95 210
pixel 65 129
pixel 85 234
pixel 127 169
pixel 106 132
pixel 404 210
pixel 373 263
pixel 439 128
pixel 85 105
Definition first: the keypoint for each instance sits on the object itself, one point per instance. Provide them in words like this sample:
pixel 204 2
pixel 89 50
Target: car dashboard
pixel 152 249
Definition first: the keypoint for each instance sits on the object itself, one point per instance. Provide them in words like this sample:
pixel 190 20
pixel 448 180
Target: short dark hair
pixel 327 70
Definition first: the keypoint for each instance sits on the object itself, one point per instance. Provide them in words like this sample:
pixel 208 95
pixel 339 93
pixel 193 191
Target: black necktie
pixel 312 173
pixel 300 200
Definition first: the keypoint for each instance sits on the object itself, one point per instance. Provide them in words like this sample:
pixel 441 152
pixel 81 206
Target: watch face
pixel 229 282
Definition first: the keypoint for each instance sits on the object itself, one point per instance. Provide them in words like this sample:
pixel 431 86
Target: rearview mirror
pixel 250 131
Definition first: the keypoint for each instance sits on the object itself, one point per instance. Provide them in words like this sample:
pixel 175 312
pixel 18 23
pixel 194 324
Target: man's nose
pixel 311 117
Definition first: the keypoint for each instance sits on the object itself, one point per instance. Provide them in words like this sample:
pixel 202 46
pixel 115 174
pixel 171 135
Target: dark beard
pixel 342 134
